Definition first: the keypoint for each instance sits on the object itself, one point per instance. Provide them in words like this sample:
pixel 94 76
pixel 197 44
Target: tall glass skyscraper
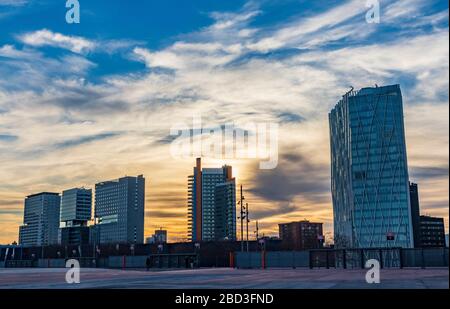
pixel 211 204
pixel 76 206
pixel 40 220
pixel 120 211
pixel 369 170
pixel 76 211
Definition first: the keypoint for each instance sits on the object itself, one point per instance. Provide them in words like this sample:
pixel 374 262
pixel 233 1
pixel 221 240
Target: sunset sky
pixel 84 103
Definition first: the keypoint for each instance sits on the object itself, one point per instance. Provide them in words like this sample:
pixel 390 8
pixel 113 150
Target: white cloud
pixel 28 69
pixel 399 9
pixel 76 44
pixel 10 51
pixel 230 20
pixel 46 37
pixel 294 32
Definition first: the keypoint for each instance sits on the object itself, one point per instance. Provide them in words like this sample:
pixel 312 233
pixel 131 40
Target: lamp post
pixel 242 217
pixel 247 220
pixel 257 234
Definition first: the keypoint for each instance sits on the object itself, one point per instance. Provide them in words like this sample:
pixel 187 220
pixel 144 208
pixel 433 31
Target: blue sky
pixel 157 24
pixel 81 103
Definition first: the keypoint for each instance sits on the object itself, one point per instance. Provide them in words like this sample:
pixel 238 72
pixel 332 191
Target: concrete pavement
pixel 223 278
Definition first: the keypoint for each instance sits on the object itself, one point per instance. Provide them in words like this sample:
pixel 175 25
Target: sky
pixel 94 101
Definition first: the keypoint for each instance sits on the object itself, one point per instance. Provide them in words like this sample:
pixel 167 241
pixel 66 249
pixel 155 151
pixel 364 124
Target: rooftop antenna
pixel 348 92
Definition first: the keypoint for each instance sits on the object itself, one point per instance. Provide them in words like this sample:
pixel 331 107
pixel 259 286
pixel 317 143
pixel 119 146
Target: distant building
pixel 415 212
pixel 211 204
pixel 40 220
pixel 119 211
pixel 369 171
pixel 159 237
pixel 432 232
pixel 302 235
pixel 76 206
pixel 76 211
pixel 427 231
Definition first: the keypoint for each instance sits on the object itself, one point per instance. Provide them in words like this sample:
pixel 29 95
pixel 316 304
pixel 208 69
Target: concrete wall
pixel 285 259
pixel 248 260
pixel 51 263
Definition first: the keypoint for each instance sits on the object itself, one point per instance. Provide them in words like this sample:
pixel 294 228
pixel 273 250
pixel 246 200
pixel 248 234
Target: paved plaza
pixel 223 278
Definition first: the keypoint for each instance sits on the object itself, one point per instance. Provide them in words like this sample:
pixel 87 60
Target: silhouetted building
pixel 369 171
pixel 432 232
pixel 74 235
pixel 40 220
pixel 302 235
pixel 119 211
pixel 76 211
pixel 211 204
pixel 159 237
pixel 415 212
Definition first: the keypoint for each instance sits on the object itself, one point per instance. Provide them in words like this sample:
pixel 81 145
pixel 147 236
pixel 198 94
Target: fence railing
pixel 344 258
pixel 320 258
pixel 154 261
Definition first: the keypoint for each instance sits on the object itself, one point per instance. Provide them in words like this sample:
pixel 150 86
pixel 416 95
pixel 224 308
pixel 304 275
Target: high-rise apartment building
pixel 369 170
pixel 76 211
pixel 225 210
pixel 211 204
pixel 119 211
pixel 40 220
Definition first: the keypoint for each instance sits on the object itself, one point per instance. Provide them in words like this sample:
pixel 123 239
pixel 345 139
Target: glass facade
pixel 369 173
pixel 211 204
pixel 225 210
pixel 40 220
pixel 211 177
pixel 120 210
pixel 76 206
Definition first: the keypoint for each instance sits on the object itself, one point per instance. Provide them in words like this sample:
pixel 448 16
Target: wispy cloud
pixel 28 69
pixel 85 139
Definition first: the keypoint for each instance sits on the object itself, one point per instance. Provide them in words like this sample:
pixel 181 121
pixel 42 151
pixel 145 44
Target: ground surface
pixel 223 278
